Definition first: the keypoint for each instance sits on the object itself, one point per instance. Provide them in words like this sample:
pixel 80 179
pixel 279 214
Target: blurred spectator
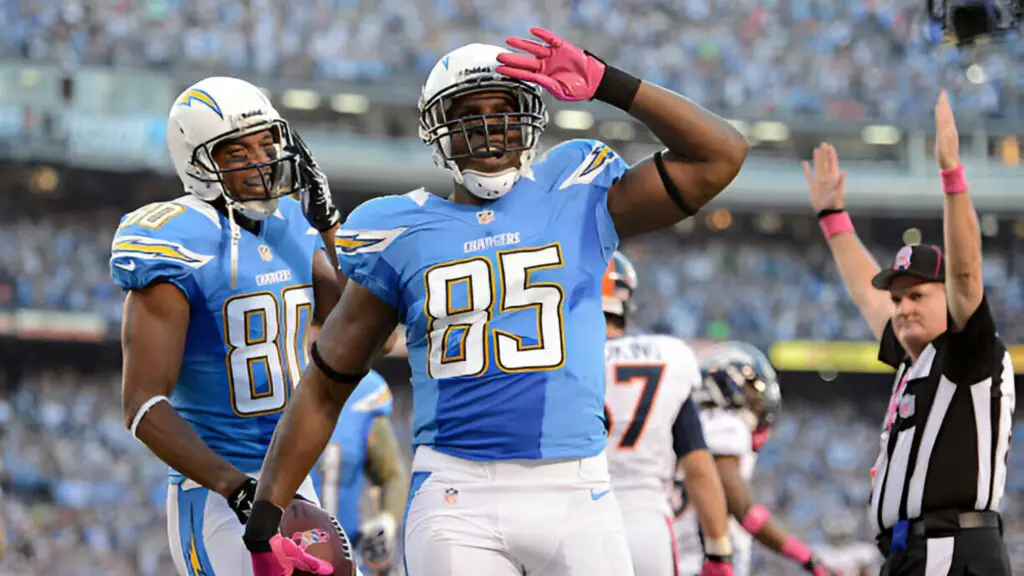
pixel 843 59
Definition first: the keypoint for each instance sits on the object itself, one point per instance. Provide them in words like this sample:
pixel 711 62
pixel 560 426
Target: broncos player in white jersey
pixel 653 429
pixel 740 400
pixel 222 287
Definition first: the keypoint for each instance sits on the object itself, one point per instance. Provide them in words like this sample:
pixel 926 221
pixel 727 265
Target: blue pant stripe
pixel 191 507
pixel 417 480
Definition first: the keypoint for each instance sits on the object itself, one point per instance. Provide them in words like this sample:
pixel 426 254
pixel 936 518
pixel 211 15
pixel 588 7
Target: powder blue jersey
pixel 502 305
pixel 246 345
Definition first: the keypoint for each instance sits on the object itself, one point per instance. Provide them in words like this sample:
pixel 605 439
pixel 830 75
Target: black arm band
pixel 670 187
pixel 617 88
pixel 331 372
pixel 263 523
pixel 829 212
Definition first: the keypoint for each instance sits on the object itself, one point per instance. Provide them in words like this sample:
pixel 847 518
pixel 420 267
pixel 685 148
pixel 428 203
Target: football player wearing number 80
pixel 223 285
pixel 498 285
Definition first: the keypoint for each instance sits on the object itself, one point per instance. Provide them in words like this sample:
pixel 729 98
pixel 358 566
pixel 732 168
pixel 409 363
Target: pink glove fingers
pixel 538 50
pixel 527 76
pixel 520 61
pixel 716 569
pixel 547 36
pixel 303 560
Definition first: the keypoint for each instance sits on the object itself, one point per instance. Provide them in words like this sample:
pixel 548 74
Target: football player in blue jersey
pixel 222 284
pixel 499 287
pixel 364 446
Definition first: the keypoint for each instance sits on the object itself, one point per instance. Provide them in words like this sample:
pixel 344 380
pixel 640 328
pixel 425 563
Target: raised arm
pixel 964 287
pixel 856 265
pixel 704 151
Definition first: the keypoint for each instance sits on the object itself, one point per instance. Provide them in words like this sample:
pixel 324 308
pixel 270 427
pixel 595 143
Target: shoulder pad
pixel 374 225
pixel 163 240
pixel 584 162
pixel 372 396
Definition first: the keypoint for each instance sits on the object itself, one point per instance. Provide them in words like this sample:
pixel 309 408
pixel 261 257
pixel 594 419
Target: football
pixel 325 538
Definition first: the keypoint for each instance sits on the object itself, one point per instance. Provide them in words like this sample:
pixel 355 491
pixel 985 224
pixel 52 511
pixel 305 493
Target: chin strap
pixel 236 236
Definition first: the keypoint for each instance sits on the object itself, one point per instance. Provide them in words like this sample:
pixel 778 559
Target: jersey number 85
pixel 470 323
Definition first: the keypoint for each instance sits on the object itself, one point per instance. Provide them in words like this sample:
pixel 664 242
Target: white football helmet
pixel 468 70
pixel 217 109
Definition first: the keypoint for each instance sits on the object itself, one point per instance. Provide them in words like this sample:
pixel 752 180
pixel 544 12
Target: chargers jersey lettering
pixel 246 344
pixel 726 434
pixel 502 306
pixel 649 378
pixel 339 476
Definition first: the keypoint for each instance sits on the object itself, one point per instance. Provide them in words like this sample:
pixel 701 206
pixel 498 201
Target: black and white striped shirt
pixel 946 439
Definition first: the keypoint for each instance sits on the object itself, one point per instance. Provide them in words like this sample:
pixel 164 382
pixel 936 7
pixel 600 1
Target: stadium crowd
pixel 760 289
pixel 844 59
pixel 82 494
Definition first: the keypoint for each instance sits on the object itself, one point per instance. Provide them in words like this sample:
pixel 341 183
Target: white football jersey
pixel 648 380
pixel 852 559
pixel 726 434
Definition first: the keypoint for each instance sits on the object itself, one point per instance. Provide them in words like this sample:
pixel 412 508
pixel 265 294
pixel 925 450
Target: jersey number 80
pixel 470 323
pixel 256 331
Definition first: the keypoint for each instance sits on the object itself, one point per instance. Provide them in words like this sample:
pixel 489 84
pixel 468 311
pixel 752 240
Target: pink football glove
pixel 285 557
pixel 564 70
pixel 716 568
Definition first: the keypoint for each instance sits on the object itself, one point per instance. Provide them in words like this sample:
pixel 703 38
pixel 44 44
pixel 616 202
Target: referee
pixel 941 472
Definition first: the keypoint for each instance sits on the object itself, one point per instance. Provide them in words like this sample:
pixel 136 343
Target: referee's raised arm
pixel 941 472
pixel 856 266
pixel 961 235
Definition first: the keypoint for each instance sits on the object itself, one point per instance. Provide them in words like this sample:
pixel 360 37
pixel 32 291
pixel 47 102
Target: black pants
pixel 974 551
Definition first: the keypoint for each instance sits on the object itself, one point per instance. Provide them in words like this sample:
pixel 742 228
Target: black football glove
pixel 315 192
pixel 240 499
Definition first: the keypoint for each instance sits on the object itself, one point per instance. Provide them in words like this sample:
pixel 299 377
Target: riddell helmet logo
pixel 903 258
pixel 475 70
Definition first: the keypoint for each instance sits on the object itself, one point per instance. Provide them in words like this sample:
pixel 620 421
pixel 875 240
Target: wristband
pixel 835 223
pixel 264 520
pixel 755 519
pixel 617 88
pixel 717 547
pixel 143 410
pixel 953 180
pixel 794 549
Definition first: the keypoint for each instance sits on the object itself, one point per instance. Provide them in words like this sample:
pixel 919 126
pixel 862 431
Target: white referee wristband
pixel 146 407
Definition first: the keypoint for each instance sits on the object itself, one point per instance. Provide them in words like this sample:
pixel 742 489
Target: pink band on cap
pixel 953 180
pixel 837 223
pixel 755 519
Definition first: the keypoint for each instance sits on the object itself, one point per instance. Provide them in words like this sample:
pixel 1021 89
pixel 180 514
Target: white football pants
pixel 515 517
pixel 205 535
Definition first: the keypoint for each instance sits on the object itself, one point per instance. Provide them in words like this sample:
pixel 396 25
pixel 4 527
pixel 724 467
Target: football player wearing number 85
pixel 499 287
pixel 222 287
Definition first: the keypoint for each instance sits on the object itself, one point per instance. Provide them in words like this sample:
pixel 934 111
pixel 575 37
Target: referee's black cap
pixel 922 261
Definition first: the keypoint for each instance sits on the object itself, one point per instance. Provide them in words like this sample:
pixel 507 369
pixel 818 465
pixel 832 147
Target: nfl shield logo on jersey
pixel 485 216
pixel 265 253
